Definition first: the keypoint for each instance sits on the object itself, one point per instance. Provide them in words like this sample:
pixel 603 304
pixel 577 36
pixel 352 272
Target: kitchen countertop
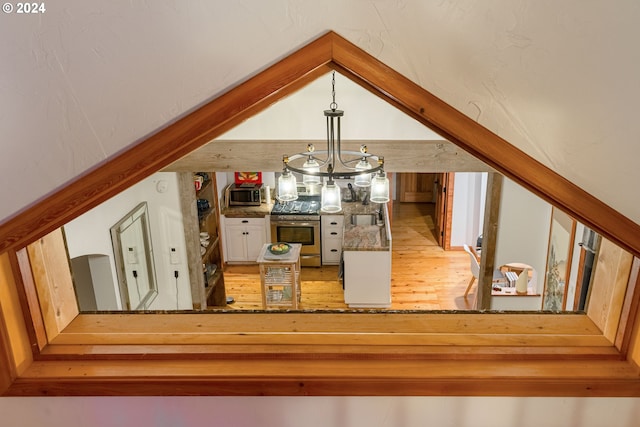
pixel 365 237
pixel 247 211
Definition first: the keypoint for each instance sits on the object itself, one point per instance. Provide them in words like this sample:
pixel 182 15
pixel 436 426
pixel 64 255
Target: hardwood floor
pixel 424 276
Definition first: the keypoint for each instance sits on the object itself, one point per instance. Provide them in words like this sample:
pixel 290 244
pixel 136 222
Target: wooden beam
pixel 30 304
pixel 266 155
pixel 16 350
pixel 191 229
pixel 630 309
pixel 489 240
pixel 608 286
pixel 7 364
pixel 52 277
pixel 333 329
pixel 305 377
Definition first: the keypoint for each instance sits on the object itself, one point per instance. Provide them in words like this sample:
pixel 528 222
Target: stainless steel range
pixel 299 222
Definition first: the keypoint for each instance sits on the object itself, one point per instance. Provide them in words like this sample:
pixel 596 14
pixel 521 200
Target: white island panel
pixel 367 279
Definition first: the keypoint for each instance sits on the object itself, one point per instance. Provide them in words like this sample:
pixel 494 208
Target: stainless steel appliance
pixel 299 222
pixel 246 194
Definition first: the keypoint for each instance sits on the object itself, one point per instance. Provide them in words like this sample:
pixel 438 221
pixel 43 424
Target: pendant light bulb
pixel 287 187
pixel 364 179
pixel 331 198
pixel 311 165
pixel 379 188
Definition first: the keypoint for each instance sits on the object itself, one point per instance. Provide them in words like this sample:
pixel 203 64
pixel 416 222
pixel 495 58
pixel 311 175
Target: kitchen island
pixel 367 258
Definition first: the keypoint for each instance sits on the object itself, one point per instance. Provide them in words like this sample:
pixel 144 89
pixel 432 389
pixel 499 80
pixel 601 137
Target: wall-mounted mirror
pixel 131 238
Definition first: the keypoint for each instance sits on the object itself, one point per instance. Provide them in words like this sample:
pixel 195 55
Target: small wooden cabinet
pixel 201 216
pixel 244 238
pixel 280 278
pixel 332 229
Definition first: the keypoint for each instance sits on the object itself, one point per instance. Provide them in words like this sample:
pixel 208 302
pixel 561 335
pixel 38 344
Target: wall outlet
pixel 132 255
pixel 173 256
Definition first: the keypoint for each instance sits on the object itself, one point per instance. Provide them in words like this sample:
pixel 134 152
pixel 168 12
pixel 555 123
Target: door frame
pixel 444 208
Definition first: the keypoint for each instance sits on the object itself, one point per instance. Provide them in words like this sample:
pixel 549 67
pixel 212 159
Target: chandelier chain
pixel 333 104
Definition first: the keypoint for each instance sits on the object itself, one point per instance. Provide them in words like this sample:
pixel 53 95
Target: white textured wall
pixel 469 196
pixel 320 412
pixel 301 116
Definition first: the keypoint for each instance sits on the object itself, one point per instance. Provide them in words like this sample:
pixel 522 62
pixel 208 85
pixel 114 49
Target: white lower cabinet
pixel 332 229
pixel 244 238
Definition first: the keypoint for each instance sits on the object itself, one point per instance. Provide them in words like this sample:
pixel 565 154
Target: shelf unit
pixel 205 261
pixel 280 278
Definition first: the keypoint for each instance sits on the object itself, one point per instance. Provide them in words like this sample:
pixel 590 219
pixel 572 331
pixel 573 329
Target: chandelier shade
pixel 330 199
pixel 364 179
pixel 311 166
pixel 287 187
pixel 379 188
pixel 333 163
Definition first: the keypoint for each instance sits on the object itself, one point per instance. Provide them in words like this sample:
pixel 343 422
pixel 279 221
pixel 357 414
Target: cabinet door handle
pixel 334 223
pixel 244 221
pixel 334 233
pixel 334 250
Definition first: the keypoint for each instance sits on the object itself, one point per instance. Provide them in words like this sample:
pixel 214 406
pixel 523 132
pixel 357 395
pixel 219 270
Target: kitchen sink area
pixel 366 253
pixel 366 219
pixel 365 227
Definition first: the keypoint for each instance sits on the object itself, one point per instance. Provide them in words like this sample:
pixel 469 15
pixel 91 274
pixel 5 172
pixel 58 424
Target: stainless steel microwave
pixel 244 195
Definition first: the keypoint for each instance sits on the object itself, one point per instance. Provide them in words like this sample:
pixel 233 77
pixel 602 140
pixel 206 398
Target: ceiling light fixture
pixel 334 165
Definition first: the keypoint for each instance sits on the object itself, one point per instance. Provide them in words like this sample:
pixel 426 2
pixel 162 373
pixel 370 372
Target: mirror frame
pixel 311 354
pixel 139 213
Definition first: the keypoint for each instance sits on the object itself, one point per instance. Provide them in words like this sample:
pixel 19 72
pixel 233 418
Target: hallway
pixel 424 276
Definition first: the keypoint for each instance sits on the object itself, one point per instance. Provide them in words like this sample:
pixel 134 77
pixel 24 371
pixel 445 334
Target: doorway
pixel 434 188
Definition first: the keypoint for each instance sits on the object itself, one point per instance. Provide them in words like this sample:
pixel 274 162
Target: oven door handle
pixel 297 223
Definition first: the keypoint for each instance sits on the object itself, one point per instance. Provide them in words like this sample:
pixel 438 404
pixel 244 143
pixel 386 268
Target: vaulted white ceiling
pixel 85 80
pixel 301 116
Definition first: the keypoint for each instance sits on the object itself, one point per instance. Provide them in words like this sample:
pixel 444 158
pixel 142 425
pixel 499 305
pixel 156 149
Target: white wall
pixel 523 230
pixel 319 412
pixel 89 234
pixel 301 116
pixel 469 196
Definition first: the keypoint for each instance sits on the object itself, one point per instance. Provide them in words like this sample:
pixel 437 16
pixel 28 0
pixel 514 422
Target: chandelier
pixel 334 163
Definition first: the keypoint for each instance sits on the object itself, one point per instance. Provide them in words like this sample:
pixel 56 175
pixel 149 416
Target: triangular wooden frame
pixel 284 354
